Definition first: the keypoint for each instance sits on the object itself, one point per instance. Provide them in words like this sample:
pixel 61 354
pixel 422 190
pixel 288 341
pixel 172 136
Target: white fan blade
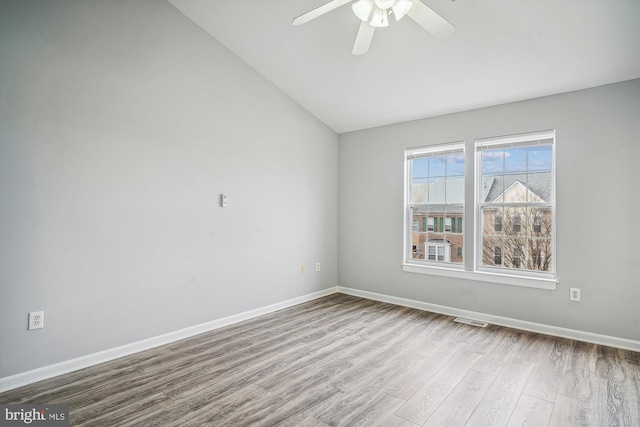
pixel 363 39
pixel 318 11
pixel 430 20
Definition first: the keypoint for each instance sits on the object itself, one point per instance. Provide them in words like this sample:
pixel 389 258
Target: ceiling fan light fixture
pixel 362 9
pixel 400 8
pixel 384 4
pixel 379 18
pixel 375 13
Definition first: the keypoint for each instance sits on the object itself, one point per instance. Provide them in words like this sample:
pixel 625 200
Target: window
pixel 497 223
pixel 517 257
pixel 432 253
pixel 497 255
pixel 517 223
pixel 513 227
pixel 435 191
pixel 516 176
pixel 537 224
pixel 430 224
pixel 438 252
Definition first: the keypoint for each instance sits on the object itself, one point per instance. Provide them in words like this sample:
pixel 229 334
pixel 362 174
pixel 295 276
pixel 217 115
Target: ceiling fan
pixel 375 14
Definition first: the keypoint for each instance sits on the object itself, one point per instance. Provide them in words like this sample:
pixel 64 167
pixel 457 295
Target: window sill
pixel 482 276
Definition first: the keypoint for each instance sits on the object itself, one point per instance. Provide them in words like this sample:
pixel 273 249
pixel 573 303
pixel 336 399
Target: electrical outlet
pixel 317 266
pixel 303 268
pixel 36 320
pixel 574 294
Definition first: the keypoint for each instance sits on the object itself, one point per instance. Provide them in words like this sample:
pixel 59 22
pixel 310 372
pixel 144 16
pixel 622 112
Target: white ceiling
pixel 501 51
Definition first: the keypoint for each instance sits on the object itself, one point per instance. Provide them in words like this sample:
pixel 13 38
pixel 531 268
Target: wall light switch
pixel 223 200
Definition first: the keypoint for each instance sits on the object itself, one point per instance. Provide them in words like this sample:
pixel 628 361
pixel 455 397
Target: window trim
pixel 496 278
pixel 469 269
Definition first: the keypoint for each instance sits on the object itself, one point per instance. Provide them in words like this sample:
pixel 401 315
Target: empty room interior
pixel 320 213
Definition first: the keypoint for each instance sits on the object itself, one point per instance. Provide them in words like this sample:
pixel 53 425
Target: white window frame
pixel 471 269
pixel 514 141
pixel 457 147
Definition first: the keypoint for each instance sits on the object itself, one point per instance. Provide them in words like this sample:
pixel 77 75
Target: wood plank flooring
pixel 348 361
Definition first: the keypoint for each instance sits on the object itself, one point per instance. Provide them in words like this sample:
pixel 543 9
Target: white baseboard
pixel 573 334
pixel 46 372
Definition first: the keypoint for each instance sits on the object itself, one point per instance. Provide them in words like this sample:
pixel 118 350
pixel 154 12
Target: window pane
pixel 455 165
pixel 420 168
pixel 491 250
pixel 540 158
pixel 515 160
pixel 419 191
pixel 437 166
pixel 453 239
pixel 492 221
pixel 436 190
pixel 540 254
pixel 492 162
pixel 514 253
pixel 540 223
pixel 514 221
pixel 539 186
pixel 419 180
pixel 419 223
pixel 454 190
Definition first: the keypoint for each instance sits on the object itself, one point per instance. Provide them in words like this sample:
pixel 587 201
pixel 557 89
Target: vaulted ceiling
pixel 501 51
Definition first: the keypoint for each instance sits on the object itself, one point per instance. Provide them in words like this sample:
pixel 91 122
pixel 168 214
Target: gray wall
pixel 598 149
pixel 122 122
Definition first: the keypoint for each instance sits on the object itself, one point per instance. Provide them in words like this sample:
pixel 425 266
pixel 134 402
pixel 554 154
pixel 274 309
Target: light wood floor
pixel 347 361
